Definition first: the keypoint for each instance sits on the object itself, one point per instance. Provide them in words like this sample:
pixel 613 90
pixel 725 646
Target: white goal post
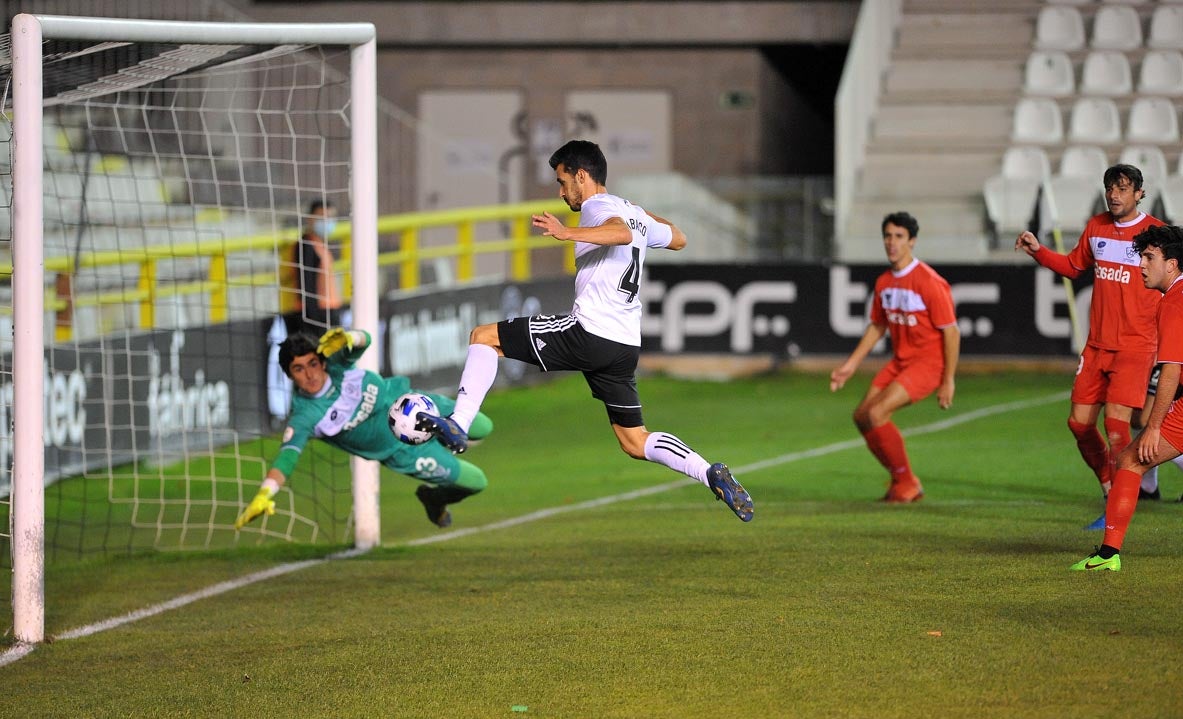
pixel 28 33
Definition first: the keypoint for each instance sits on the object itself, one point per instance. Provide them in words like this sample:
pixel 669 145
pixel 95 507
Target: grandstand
pixel 962 84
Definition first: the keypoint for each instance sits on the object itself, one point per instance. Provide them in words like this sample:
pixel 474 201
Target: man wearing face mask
pixel 310 297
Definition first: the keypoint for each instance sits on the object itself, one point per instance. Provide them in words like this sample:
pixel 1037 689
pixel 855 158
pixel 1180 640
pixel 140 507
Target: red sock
pixel 1092 449
pixel 1119 509
pixel 887 444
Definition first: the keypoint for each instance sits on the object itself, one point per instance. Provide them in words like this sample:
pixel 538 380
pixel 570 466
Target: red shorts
pixel 919 379
pixel 1172 425
pixel 1109 376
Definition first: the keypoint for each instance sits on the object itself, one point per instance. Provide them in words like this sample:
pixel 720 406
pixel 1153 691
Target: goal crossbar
pixel 28 32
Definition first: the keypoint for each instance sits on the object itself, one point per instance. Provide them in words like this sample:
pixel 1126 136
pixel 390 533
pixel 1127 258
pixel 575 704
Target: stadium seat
pixel 1172 195
pixel 1059 27
pixel 1049 72
pixel 1010 195
pixel 1084 161
pixel 1153 120
pixel 1153 164
pixel 1077 188
pixel 1106 72
pixel 1094 121
pixel 1037 120
pixel 1161 73
pixel 1117 27
pixel 1166 28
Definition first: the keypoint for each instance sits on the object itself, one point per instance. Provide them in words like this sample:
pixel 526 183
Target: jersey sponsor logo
pixel 353 406
pixel 902 318
pixel 1113 274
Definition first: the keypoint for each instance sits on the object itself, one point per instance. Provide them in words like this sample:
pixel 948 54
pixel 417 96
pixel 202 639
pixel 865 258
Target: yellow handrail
pixel 407 227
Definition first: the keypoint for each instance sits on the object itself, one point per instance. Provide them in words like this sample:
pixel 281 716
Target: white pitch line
pixel 21 650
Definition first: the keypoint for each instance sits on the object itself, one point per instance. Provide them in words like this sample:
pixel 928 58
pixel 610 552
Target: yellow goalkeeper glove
pixel 334 341
pixel 261 504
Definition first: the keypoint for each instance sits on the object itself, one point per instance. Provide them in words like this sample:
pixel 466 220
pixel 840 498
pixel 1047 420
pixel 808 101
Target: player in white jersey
pixel 601 337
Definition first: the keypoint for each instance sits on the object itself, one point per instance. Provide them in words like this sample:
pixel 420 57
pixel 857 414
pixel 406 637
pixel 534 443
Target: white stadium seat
pixel 1010 195
pixel 1059 27
pixel 1161 73
pixel 1153 120
pixel 1166 28
pixel 1049 72
pixel 1084 161
pixel 1106 72
pixel 1117 27
pixel 1037 120
pixel 1153 164
pixel 1095 121
pixel 1172 195
pixel 1077 187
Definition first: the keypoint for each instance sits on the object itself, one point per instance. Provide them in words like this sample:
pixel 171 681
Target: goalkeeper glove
pixel 261 504
pixel 334 341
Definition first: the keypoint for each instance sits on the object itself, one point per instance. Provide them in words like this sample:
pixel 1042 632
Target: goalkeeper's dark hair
pixel 1167 238
pixel 582 155
pixel 296 345
pixel 904 220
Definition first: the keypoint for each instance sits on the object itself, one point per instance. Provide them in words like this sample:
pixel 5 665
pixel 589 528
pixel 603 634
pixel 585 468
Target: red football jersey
pixel 916 304
pixel 1170 324
pixel 1122 315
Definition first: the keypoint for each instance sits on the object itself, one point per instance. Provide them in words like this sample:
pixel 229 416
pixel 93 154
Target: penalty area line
pixel 21 650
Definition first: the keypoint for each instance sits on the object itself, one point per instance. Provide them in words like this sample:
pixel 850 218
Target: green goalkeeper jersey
pixel 349 412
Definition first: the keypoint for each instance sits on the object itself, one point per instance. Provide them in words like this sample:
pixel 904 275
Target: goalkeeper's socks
pixel 665 448
pixel 480 369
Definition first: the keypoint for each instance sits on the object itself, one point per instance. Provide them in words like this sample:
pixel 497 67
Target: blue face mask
pixel 324 226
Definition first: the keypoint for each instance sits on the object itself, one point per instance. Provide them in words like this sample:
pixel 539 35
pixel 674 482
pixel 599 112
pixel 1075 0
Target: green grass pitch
pixel 829 604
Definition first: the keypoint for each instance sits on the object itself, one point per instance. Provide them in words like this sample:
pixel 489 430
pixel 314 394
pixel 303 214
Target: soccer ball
pixel 403 417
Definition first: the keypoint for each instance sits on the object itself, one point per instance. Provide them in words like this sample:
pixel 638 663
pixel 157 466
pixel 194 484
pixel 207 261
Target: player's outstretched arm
pixel 264 502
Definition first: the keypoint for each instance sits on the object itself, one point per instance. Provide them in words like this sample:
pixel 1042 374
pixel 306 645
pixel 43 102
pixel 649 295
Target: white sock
pixel 480 369
pixel 1150 480
pixel 1178 461
pixel 665 448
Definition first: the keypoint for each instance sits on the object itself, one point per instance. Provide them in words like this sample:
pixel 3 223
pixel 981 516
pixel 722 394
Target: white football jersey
pixel 608 277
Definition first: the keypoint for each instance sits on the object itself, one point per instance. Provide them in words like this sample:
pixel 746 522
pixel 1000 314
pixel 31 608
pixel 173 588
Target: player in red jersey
pixel 915 304
pixel 1161 251
pixel 1119 353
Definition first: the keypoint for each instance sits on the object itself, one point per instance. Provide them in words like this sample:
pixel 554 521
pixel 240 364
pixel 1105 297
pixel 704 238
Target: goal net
pixel 154 177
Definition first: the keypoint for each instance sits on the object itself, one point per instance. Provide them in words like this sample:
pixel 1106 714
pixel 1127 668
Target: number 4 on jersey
pixel 630 281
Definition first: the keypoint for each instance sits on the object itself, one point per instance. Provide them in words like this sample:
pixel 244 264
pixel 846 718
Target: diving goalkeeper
pixel 347 407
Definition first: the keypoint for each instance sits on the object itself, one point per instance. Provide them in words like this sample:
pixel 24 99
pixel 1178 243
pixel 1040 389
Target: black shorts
pixel 559 342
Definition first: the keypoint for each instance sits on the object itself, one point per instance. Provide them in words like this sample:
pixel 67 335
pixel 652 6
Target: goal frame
pixel 28 31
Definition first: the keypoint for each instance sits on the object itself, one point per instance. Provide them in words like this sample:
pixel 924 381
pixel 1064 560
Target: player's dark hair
pixel 294 346
pixel 582 155
pixel 901 219
pixel 1114 174
pixel 1167 238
